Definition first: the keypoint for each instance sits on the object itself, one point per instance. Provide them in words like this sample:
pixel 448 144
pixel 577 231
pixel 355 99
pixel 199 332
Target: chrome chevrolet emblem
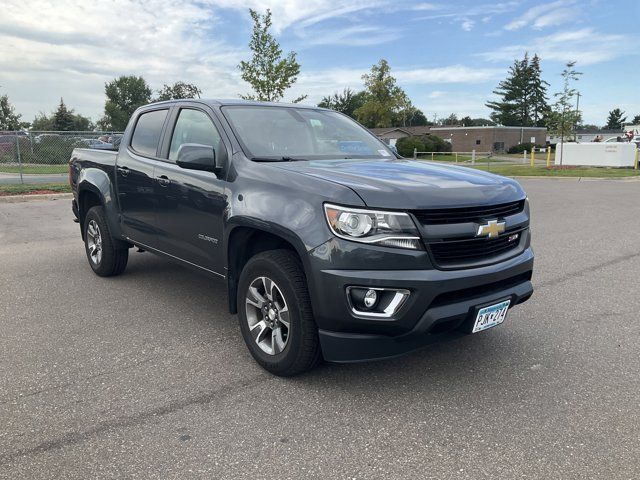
pixel 491 229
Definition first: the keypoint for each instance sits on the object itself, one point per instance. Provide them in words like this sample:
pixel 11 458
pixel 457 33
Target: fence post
pixel 415 153
pixel 524 157
pixel 456 157
pixel 473 157
pixel 533 156
pixel 18 155
pixel 432 156
pixel 636 162
pixel 548 156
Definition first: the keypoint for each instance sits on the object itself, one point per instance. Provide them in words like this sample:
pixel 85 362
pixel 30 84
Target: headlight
pixel 390 229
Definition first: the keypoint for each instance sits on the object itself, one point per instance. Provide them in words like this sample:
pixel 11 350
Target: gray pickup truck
pixel 331 245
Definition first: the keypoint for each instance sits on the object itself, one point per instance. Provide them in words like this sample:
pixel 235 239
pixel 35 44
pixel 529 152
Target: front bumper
pixel 441 306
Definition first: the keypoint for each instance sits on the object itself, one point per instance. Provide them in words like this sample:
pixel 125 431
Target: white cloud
pixel 356 35
pixel 467 25
pixel 317 84
pixel 548 14
pixel 444 103
pixel 585 46
pixel 555 17
pixel 448 74
pixel 71 48
pixel 426 6
pixel 302 13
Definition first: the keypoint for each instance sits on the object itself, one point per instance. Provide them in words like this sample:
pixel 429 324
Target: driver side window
pixel 193 126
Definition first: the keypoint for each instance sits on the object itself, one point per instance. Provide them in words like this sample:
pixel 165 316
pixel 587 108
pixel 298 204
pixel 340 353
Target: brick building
pixel 466 139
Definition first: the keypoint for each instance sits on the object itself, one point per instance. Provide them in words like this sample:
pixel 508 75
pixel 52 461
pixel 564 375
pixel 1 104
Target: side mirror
pixel 195 156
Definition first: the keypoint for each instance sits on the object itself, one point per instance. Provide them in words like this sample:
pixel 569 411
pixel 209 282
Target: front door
pixel 135 178
pixel 190 202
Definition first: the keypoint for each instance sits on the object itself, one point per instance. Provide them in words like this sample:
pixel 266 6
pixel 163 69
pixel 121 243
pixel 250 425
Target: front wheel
pixel 276 319
pixel 104 257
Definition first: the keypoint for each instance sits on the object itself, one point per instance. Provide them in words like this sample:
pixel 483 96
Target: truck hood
pixel 411 184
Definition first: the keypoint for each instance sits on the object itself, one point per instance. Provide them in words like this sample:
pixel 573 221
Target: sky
pixel 448 56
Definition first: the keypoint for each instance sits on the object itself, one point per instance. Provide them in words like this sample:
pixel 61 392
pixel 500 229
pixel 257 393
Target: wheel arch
pixel 95 187
pixel 246 239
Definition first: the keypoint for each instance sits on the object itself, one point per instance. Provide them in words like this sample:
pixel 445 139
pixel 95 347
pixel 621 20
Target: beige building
pixel 466 139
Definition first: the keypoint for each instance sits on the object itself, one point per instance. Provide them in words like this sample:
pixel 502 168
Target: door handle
pixel 124 171
pixel 163 180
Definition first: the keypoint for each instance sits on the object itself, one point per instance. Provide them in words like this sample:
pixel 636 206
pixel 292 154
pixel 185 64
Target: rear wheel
pixel 105 258
pixel 276 319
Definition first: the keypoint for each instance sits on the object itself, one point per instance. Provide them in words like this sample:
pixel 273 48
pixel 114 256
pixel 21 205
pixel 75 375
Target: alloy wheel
pixel 94 242
pixel 267 315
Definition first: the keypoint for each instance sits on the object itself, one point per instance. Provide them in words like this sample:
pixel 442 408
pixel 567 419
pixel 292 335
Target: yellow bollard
pixel 533 155
pixel 548 157
pixel 636 162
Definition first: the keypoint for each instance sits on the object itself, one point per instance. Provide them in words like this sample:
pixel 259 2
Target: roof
pixel 418 130
pixel 485 127
pixel 239 101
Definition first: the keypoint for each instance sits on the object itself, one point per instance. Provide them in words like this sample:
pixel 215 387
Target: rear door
pixel 190 202
pixel 135 177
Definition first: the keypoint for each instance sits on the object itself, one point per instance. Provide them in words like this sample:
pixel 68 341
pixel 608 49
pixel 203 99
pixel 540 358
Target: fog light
pixel 380 302
pixel 370 298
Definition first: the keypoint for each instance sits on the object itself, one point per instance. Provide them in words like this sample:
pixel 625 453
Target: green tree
pixel 475 122
pixel 451 120
pixel 346 102
pixel 384 99
pixel 523 95
pixel 538 98
pixel 408 115
pixel 82 123
pixel 587 127
pixel 124 95
pixel 63 118
pixel 418 119
pixel 615 120
pixel 178 91
pixel 636 120
pixel 42 122
pixel 9 119
pixel 563 117
pixel 268 72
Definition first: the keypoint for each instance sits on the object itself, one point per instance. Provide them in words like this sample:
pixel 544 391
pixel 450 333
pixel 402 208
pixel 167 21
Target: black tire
pixel 302 349
pixel 112 260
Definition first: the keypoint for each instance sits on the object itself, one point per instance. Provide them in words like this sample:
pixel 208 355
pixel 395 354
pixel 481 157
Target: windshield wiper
pixel 276 159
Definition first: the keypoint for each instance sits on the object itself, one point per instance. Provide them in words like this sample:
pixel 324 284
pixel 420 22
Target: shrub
pixel 433 143
pixel 521 147
pixel 406 146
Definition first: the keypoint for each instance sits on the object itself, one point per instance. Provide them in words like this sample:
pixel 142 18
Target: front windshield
pixel 268 132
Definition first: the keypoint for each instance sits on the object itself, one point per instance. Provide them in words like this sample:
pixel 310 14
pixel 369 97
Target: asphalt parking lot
pixel 146 375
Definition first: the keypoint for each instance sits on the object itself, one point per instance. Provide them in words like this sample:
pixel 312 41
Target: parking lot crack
pixel 141 418
pixel 578 273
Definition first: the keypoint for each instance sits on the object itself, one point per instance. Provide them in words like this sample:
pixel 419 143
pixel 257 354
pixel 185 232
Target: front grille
pixel 471 214
pixel 456 253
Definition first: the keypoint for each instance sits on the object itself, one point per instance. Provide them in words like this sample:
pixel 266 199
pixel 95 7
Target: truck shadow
pixel 490 359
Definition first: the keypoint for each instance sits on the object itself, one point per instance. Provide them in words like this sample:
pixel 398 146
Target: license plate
pixel 491 316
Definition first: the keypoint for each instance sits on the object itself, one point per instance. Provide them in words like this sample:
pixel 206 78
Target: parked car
pixel 330 244
pixel 8 142
pixel 91 143
pixel 46 136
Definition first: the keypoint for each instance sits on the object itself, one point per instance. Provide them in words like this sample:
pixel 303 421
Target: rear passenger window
pixel 193 126
pixel 147 132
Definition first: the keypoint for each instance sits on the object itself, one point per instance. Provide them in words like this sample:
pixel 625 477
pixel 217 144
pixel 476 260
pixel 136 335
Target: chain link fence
pixel 32 156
